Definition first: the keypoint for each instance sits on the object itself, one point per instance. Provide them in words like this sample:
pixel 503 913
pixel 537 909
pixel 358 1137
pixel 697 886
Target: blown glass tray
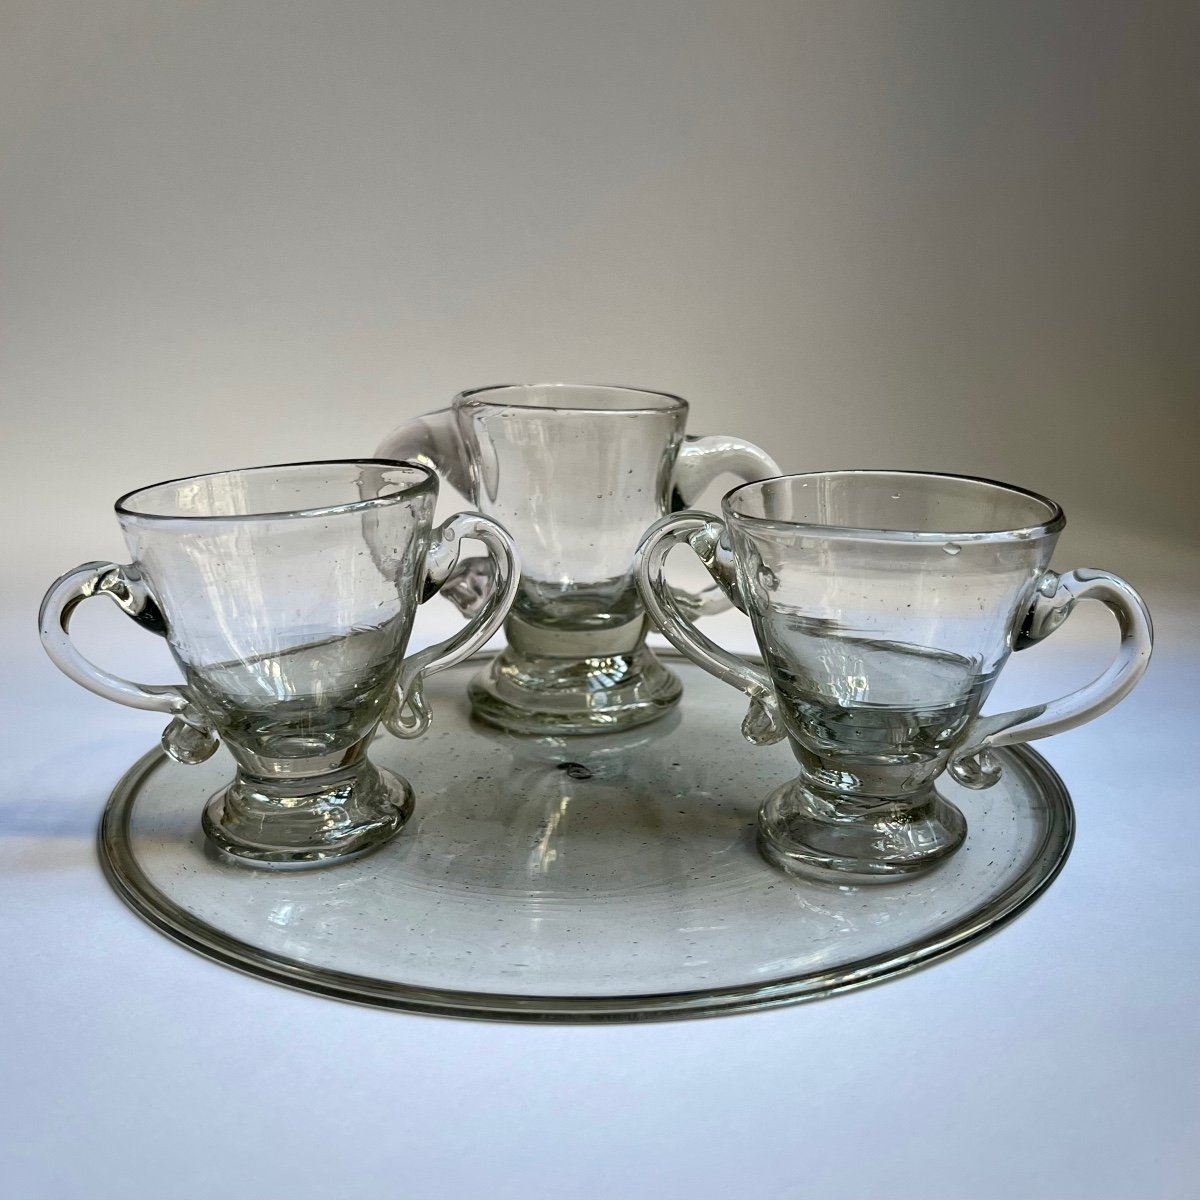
pixel 602 878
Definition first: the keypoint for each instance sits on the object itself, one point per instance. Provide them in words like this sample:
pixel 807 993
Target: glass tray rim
pixel 126 877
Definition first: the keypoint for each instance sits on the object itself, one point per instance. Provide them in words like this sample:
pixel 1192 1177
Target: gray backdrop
pixel 959 235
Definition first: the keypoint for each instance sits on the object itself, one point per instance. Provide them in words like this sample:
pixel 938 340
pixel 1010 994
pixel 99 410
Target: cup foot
pixel 806 833
pixel 545 696
pixel 309 822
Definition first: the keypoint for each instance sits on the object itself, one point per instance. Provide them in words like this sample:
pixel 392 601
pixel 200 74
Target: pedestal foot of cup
pixel 545 696
pixel 820 836
pixel 310 822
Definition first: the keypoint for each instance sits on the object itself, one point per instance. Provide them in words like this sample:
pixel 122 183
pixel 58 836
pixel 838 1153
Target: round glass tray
pixel 611 877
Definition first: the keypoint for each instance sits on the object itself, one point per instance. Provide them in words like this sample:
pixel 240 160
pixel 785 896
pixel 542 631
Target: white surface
pixel 1056 1060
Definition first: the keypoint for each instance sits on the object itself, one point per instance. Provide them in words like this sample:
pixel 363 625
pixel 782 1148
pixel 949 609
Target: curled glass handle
pixel 973 764
pixel 701 460
pixel 409 715
pixel 708 537
pixel 435 441
pixel 190 737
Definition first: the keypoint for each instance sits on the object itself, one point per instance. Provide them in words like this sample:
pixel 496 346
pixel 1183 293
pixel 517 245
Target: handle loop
pixel 708 538
pixel 973 764
pixel 435 441
pixel 190 737
pixel 701 460
pixel 409 714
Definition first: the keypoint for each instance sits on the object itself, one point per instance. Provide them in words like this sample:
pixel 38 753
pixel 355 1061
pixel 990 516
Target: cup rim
pixel 476 396
pixel 1054 522
pixel 427 482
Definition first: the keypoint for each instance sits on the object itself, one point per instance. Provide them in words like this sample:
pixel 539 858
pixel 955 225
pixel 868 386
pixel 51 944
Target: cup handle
pixel 435 441
pixel 973 764
pixel 190 737
pixel 701 460
pixel 408 715
pixel 709 539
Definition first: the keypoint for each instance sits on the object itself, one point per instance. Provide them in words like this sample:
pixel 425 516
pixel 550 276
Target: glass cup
pixel 576 473
pixel 885 604
pixel 286 595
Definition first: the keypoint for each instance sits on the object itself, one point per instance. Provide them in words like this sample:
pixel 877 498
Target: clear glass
pixel 576 473
pixel 885 605
pixel 287 595
pixel 609 878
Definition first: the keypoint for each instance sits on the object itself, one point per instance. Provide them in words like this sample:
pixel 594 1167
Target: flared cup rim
pixel 1053 523
pixel 477 395
pixel 425 482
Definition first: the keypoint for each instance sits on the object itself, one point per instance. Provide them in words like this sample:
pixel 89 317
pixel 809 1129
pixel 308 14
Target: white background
pixel 957 236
